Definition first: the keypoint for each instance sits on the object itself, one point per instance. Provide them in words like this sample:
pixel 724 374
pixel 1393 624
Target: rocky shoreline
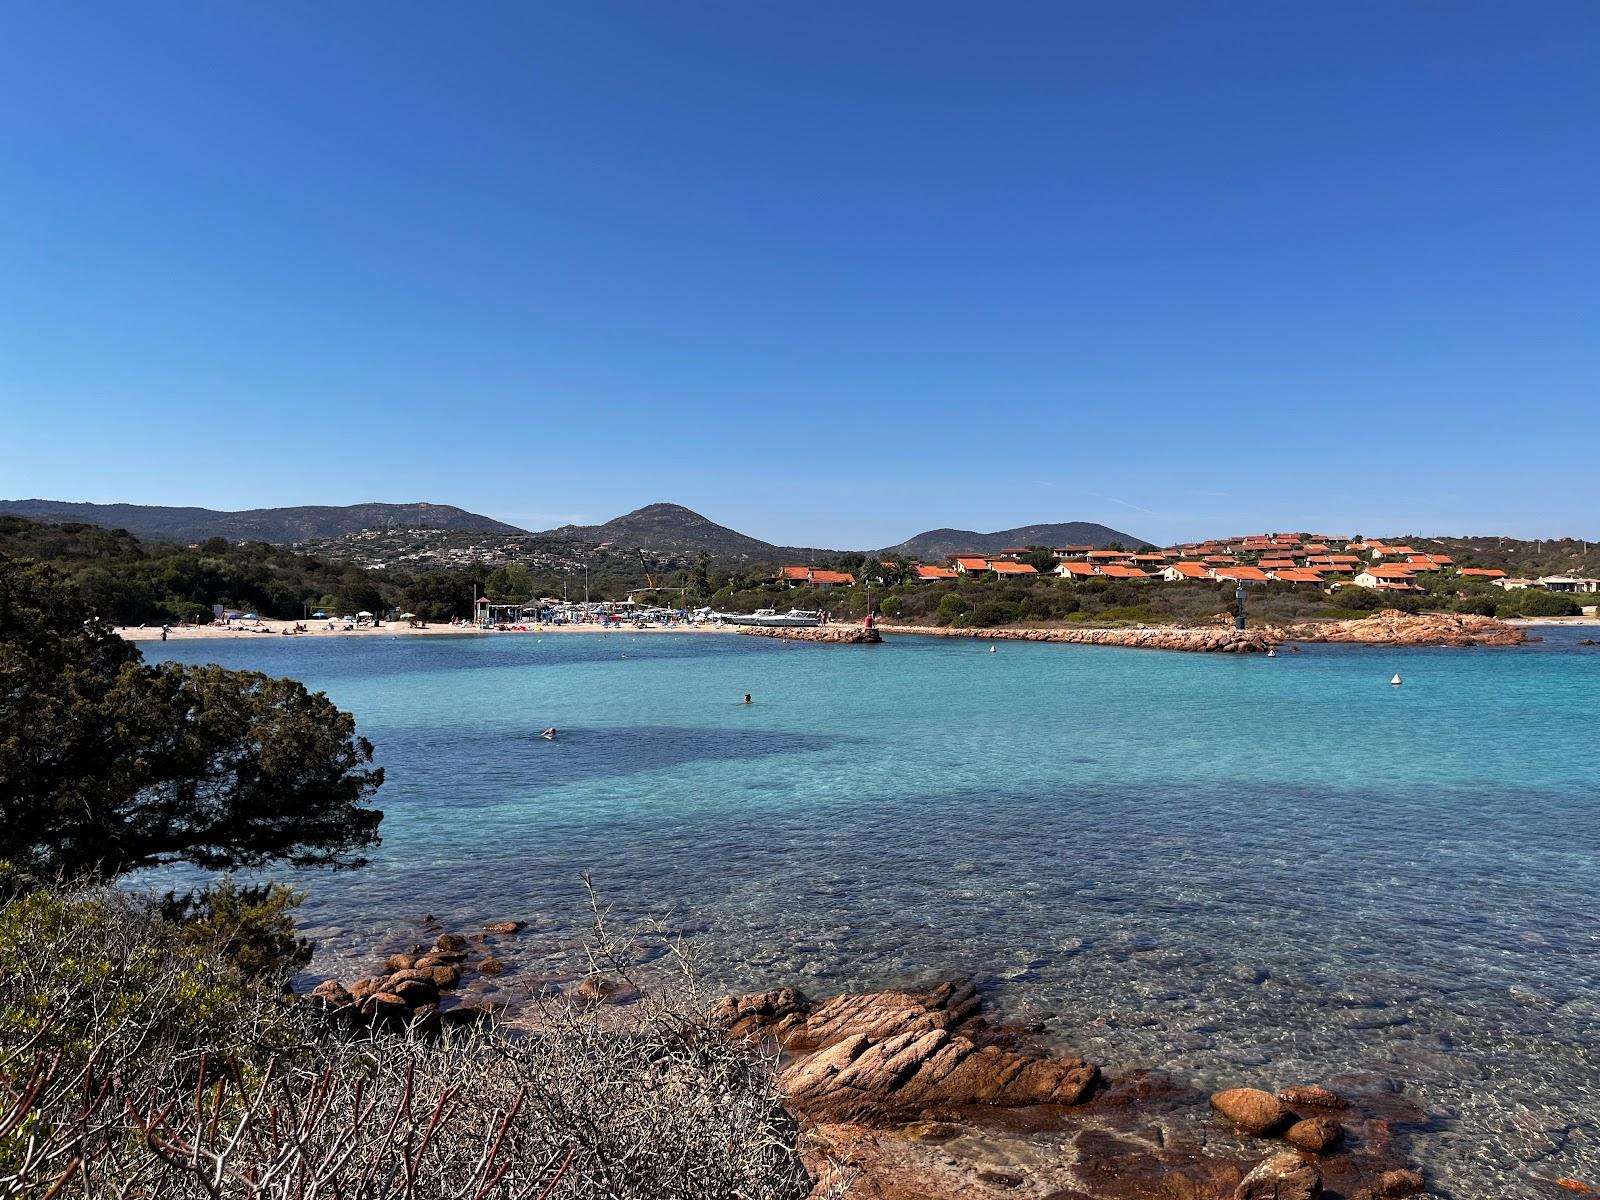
pixel 1393 628
pixel 1215 639
pixel 919 1095
pixel 843 635
pixel 923 1094
pixel 1388 627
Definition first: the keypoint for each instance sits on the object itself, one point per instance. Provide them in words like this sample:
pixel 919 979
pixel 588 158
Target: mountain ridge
pixel 278 525
pixel 664 526
pixel 941 543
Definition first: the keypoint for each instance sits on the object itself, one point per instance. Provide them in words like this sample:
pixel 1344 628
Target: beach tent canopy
pixel 319 614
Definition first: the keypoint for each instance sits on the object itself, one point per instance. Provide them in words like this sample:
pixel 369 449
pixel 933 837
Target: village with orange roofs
pixel 1328 561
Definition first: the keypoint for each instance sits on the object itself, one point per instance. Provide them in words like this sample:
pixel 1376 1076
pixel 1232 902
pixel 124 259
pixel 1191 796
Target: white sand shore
pixel 319 629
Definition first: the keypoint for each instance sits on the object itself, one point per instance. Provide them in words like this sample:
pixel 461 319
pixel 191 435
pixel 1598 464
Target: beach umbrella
pixel 407 616
pixel 363 613
pixel 320 614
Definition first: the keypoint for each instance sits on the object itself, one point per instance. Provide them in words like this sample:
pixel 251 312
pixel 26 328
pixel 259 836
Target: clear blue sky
pixel 828 272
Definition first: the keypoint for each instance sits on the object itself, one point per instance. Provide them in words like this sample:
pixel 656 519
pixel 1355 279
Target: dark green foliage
pixel 93 972
pixel 251 927
pixel 1536 602
pixel 108 764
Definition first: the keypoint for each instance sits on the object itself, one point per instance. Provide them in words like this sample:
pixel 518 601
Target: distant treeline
pixel 129 581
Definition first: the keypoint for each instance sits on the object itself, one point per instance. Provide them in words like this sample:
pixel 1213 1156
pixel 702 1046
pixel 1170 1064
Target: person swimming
pixel 747 698
pixel 549 735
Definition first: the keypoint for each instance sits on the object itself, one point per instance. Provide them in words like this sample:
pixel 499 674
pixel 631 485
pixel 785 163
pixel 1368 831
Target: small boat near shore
pixel 795 618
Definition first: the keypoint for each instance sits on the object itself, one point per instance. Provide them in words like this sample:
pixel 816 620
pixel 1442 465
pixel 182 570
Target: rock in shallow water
pixel 1316 1134
pixel 1252 1110
pixel 1284 1176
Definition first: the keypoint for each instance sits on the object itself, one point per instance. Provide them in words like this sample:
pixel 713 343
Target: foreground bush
pixel 137 1064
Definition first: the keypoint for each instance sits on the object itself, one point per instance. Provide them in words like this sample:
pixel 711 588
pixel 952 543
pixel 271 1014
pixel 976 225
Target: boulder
pixel 440 959
pixel 332 994
pixel 1310 1096
pixel 1284 1176
pixel 362 988
pixel 865 1078
pixel 1316 1134
pixel 384 1004
pixel 450 943
pixel 1392 1185
pixel 505 927
pixel 415 992
pixel 445 977
pixel 399 962
pixel 606 991
pixel 1252 1110
pixel 800 1025
pixel 491 966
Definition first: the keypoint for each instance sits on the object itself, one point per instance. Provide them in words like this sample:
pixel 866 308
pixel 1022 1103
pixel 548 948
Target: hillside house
pixel 1395 577
pixel 796 576
pixel 1568 583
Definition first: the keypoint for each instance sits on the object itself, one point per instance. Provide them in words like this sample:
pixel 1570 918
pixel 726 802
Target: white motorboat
pixel 795 618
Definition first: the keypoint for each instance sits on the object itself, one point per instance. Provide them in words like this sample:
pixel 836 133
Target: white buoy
pixel 1397 681
pixel 991 649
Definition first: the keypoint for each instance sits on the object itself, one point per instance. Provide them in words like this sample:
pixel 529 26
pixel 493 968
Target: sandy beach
pixel 319 629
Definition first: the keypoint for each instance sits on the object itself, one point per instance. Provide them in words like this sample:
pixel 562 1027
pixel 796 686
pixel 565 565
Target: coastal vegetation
pixel 140 1061
pixel 151 1046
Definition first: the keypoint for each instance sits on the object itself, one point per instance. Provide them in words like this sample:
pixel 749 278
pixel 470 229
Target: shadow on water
pixel 583 753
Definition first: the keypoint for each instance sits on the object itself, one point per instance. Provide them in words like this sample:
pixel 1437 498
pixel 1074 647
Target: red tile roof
pixel 936 572
pixel 1012 568
pixel 1112 571
pixel 1255 574
pixel 1075 568
pixel 1483 573
pixel 843 577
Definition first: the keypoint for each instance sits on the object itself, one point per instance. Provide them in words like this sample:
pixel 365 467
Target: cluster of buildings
pixel 1282 557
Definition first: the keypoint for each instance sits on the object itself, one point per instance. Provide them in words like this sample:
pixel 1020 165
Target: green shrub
pixel 251 927
pixel 1536 602
pixel 92 971
pixel 994 612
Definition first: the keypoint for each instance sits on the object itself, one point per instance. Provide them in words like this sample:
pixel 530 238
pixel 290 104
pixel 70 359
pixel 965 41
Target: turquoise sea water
pixel 1250 870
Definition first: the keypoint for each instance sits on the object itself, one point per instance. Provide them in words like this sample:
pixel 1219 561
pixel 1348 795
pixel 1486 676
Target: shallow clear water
pixel 1257 871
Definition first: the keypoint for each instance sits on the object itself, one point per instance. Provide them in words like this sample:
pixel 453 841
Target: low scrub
pixel 137 1063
